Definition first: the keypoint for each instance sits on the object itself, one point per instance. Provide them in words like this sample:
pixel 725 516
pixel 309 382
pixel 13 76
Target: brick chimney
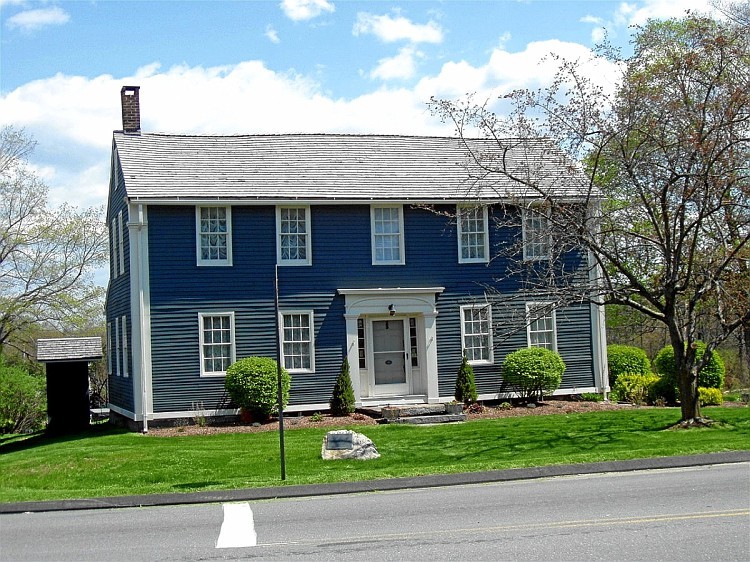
pixel 131 109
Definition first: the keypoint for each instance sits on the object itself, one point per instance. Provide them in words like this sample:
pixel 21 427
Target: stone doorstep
pixel 427 419
pixel 405 411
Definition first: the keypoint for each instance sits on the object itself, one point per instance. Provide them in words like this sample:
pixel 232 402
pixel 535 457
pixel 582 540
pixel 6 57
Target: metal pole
pixel 279 393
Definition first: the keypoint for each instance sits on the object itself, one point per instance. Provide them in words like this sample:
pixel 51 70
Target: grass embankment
pixel 109 462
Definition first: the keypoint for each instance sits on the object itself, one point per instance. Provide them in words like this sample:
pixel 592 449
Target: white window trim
pixel 233 353
pixel 535 209
pixel 113 248
pixel 117 348
pixel 121 241
pixel 530 319
pixel 109 348
pixel 308 236
pixel 491 352
pixel 485 218
pixel 124 347
pixel 208 262
pixel 311 317
pixel 402 257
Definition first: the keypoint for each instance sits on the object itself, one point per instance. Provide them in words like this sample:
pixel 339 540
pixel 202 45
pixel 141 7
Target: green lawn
pixel 109 462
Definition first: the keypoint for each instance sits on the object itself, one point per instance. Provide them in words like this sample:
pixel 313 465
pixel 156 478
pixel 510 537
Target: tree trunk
pixel 687 378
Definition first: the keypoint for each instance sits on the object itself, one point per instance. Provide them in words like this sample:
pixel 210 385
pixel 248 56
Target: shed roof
pixel 68 349
pixel 326 167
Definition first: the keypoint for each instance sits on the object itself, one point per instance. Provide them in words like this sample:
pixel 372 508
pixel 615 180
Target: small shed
pixel 67 365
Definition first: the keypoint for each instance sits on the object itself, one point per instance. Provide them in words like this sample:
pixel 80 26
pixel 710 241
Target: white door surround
pixel 398 305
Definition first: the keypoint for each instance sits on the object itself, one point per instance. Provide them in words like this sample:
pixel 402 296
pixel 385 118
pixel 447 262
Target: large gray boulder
pixel 346 444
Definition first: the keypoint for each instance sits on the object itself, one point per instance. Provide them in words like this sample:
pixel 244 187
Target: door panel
pixel 389 357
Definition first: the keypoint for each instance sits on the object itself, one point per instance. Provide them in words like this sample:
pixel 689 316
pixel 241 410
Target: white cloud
pixel 391 29
pixel 33 20
pixel 402 66
pixel 72 117
pixel 272 34
pixel 300 10
pixel 638 13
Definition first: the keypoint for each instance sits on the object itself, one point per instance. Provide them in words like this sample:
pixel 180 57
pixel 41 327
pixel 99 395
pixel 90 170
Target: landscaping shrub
pixel 534 371
pixel 342 401
pixel 466 388
pixel 710 396
pixel 710 376
pixel 592 397
pixel 626 359
pixel 23 399
pixel 252 385
pixel 635 388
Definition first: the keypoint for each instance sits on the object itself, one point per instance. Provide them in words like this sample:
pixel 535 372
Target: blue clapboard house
pixel 384 252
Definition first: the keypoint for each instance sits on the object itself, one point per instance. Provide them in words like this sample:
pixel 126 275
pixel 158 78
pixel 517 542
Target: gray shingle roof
pixel 332 167
pixel 68 349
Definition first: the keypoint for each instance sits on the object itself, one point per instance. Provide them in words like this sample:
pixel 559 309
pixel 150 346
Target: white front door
pixel 390 367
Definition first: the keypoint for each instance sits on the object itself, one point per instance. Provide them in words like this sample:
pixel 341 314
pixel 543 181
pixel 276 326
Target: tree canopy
pixel 662 168
pixel 47 255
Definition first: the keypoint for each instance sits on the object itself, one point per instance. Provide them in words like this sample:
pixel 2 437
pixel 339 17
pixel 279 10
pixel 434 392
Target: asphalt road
pixel 696 513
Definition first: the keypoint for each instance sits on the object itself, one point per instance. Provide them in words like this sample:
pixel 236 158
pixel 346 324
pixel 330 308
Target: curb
pixel 305 490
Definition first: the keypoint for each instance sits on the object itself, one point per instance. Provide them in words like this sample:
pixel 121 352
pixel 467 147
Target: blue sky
pixel 280 66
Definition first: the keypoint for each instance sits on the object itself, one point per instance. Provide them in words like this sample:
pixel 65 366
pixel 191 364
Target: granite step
pixel 425 419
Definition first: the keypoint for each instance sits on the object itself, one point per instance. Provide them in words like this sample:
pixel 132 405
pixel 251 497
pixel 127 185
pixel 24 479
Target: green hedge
pixel 23 399
pixel 626 359
pixel 533 371
pixel 635 388
pixel 710 376
pixel 252 384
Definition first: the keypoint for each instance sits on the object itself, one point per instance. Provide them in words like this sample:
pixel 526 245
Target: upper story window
pixel 541 325
pixel 114 260
pixel 387 227
pixel 121 241
pixel 473 239
pixel 536 234
pixel 293 236
pixel 216 342
pixel 476 333
pixel 298 347
pixel 214 235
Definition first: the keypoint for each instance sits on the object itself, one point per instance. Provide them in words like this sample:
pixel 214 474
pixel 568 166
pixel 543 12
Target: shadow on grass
pixel 16 443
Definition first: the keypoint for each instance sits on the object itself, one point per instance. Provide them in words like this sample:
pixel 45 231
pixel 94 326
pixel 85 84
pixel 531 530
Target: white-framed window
pixel 109 348
pixel 473 237
pixel 476 333
pixel 387 227
pixel 124 332
pixel 297 342
pixel 216 342
pixel 536 235
pixel 113 248
pixel 213 228
pixel 121 242
pixel 293 243
pixel 541 326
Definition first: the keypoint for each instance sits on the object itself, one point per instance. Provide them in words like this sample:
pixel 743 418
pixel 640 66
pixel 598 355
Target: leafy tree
pixel 466 387
pixel 47 256
pixel 342 401
pixel 663 181
pixel 23 399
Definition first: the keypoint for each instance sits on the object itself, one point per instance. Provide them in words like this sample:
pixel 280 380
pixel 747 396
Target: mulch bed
pixel 291 422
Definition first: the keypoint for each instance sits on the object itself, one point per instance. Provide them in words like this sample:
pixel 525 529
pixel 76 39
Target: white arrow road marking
pixel 238 528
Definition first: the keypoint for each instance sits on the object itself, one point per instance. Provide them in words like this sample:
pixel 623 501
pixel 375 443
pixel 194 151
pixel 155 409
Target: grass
pixel 110 462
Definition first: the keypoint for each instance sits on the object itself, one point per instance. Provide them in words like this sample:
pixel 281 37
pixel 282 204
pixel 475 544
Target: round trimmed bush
pixel 626 359
pixel 710 376
pixel 534 371
pixel 252 384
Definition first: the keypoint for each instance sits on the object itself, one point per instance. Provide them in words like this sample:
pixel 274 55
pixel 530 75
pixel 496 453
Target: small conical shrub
pixel 466 388
pixel 342 401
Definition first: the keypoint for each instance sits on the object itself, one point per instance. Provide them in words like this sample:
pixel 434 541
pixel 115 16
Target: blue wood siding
pixel 341 258
pixel 118 295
